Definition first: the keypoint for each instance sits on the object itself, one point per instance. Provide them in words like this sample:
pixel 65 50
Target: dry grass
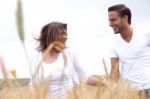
pixel 109 90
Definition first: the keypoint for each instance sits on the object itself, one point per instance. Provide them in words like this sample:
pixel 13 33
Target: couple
pixel 131 51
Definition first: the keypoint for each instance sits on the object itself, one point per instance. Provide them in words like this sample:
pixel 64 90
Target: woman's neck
pixel 51 57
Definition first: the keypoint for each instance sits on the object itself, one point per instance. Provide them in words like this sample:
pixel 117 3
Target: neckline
pixel 131 39
pixel 58 58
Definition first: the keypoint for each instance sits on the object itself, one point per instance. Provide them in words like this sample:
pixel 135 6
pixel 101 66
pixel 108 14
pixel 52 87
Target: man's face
pixel 115 21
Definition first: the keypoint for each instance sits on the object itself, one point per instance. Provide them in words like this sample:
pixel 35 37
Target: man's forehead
pixel 113 13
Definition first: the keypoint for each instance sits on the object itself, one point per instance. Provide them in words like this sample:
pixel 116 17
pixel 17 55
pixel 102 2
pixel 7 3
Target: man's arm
pixel 114 74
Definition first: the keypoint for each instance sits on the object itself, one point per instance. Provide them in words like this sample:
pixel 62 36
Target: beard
pixel 116 32
pixel 118 28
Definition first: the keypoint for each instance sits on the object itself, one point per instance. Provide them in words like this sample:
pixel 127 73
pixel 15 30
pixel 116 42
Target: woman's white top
pixel 72 72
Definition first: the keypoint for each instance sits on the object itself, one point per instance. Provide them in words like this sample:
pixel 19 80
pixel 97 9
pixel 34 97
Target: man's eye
pixel 113 19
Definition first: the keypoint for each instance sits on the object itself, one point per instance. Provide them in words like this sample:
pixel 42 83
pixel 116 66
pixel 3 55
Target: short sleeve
pixel 113 52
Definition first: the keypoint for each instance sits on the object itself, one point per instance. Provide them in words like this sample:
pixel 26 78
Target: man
pixel 130 50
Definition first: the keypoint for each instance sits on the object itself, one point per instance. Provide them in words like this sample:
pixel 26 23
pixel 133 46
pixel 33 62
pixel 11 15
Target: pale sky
pixel 88 29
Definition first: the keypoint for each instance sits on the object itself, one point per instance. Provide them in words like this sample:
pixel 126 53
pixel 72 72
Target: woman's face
pixel 62 38
pixel 60 42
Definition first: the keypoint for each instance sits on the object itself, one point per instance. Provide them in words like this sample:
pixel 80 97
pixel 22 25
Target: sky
pixel 89 33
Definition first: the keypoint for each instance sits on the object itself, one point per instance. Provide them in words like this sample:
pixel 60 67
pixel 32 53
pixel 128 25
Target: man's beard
pixel 116 31
pixel 119 29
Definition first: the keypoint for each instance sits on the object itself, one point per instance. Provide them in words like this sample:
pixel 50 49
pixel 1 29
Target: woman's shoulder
pixel 70 51
pixel 35 55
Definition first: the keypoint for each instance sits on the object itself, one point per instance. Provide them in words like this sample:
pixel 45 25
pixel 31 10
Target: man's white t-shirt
pixel 134 57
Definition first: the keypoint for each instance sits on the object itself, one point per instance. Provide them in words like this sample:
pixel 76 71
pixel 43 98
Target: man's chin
pixel 116 32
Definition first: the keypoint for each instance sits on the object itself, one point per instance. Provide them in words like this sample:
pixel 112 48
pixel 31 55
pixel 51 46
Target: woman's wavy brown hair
pixel 50 33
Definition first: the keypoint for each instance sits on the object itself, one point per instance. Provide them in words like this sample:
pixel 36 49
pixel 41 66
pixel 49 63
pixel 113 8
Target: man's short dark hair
pixel 122 11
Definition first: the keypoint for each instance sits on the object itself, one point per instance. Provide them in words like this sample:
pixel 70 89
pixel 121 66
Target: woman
pixel 59 63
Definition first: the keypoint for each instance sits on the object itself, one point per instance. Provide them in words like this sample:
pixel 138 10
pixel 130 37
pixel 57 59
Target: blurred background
pixel 89 33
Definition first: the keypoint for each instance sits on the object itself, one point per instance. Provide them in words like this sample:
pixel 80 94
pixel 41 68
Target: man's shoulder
pixel 146 34
pixel 141 32
pixel 143 35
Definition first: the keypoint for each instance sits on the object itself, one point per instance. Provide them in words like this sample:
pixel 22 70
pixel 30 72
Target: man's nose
pixel 110 24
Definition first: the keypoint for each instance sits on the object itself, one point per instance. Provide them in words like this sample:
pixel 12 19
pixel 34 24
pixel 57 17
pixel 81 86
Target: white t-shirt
pixel 73 73
pixel 55 71
pixel 134 57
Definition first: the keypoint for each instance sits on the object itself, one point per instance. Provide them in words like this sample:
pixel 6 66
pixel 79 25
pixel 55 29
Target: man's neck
pixel 127 34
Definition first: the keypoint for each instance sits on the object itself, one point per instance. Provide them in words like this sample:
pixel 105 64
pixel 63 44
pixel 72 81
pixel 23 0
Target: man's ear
pixel 125 18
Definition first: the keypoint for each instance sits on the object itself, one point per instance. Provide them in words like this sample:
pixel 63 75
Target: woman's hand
pixel 95 80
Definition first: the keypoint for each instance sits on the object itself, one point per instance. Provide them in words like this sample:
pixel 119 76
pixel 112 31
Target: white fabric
pixel 134 58
pixel 72 74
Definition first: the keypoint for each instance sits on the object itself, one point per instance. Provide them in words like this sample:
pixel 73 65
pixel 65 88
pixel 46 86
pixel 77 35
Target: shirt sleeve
pixel 33 61
pixel 77 67
pixel 113 52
